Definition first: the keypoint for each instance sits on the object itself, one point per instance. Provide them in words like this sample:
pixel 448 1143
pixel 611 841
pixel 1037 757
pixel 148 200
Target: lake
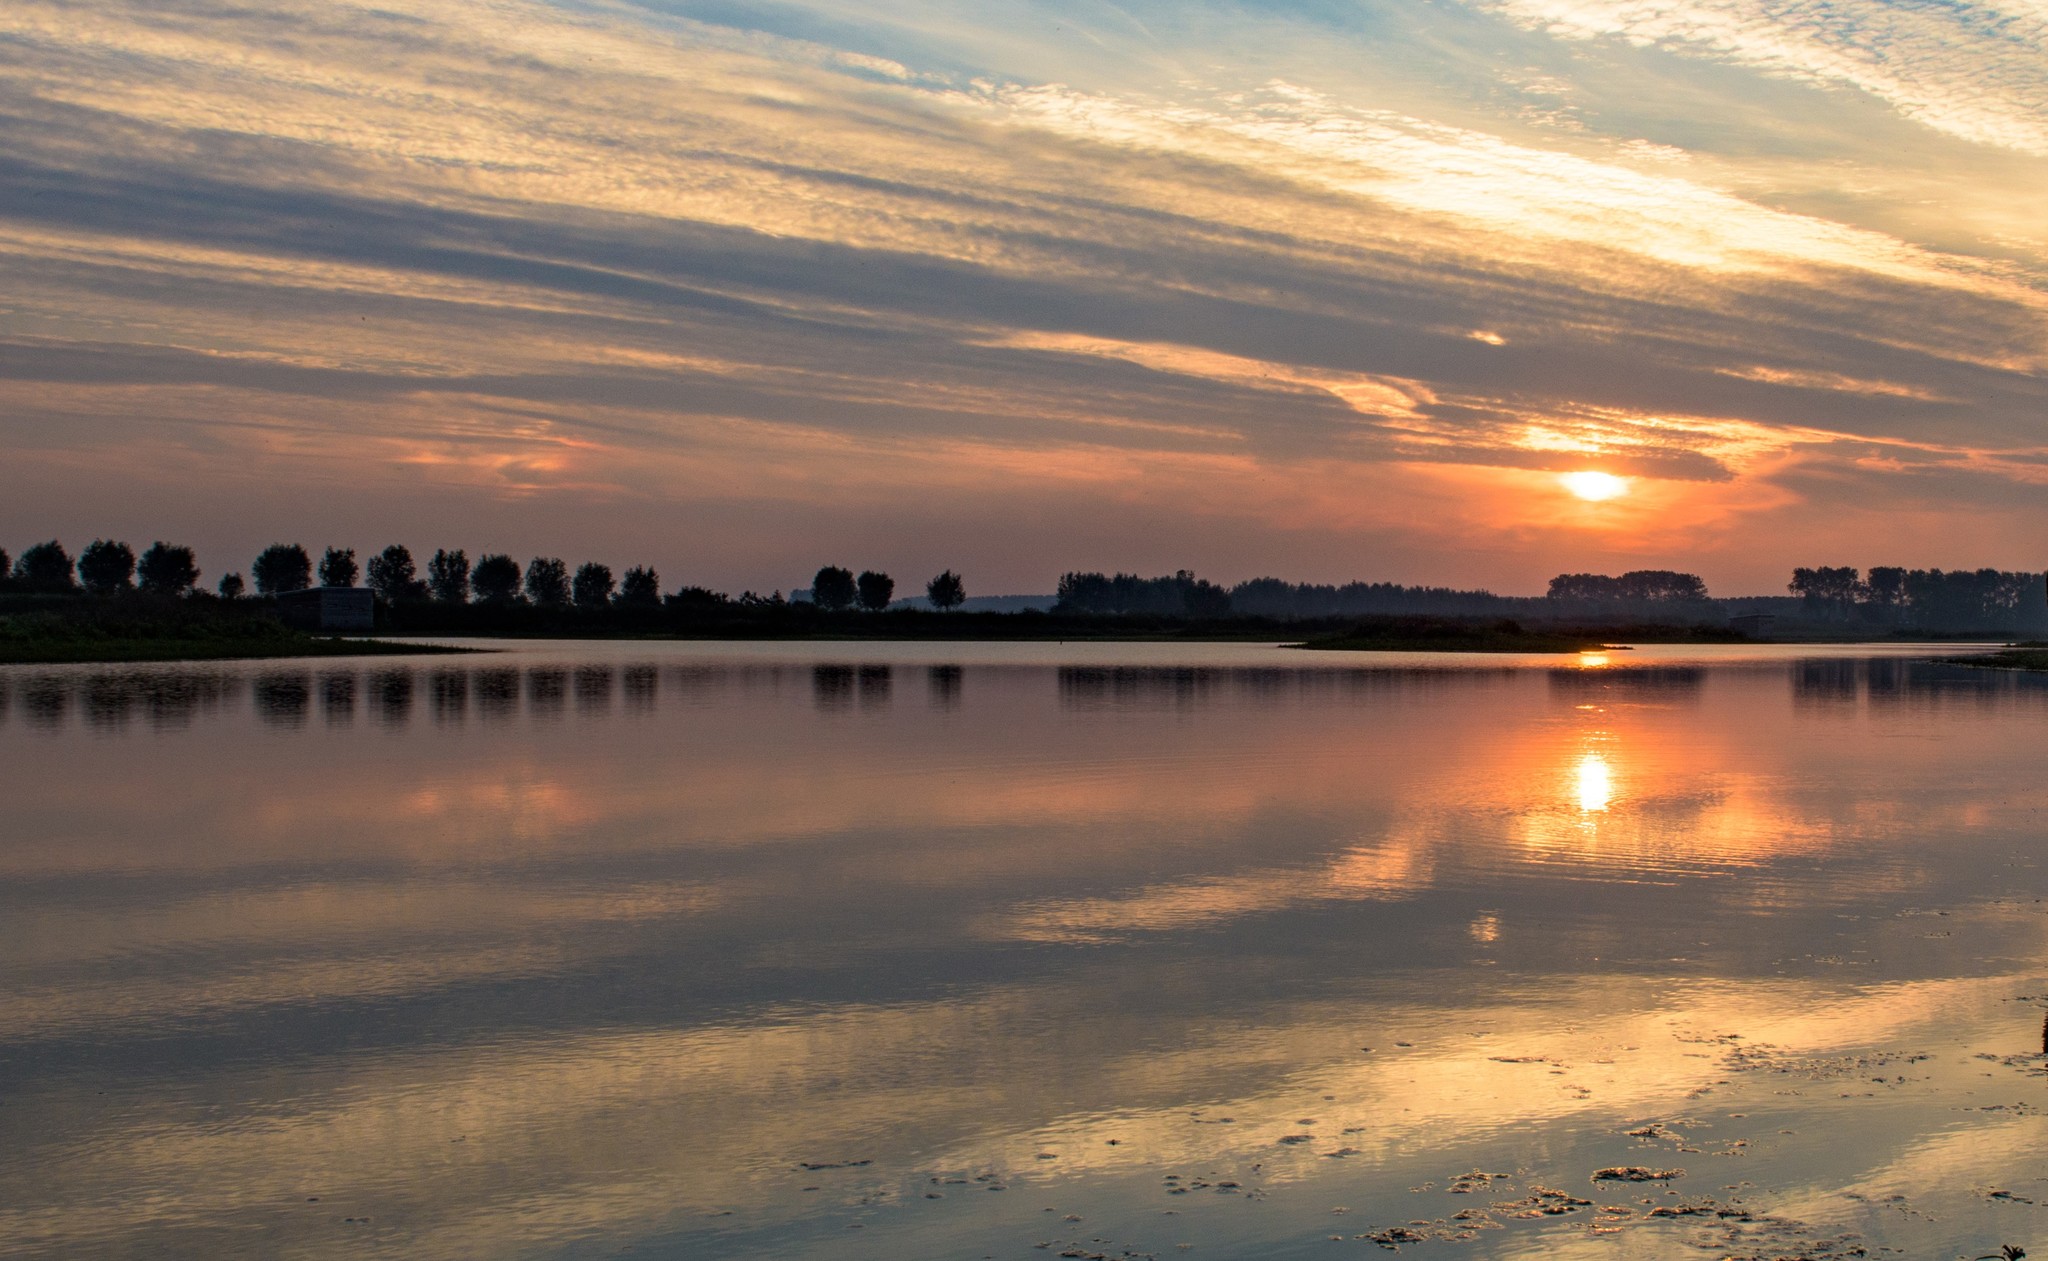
pixel 1024 950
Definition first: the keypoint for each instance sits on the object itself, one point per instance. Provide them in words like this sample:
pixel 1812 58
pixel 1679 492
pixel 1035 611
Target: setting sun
pixel 1594 486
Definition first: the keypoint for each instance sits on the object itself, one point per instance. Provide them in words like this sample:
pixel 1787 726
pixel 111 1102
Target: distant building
pixel 1754 625
pixel 329 609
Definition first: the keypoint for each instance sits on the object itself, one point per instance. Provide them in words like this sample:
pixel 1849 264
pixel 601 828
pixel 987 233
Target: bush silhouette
pixel 448 576
pixel 282 567
pixel 495 578
pixel 547 580
pixel 45 567
pixel 946 591
pixel 107 567
pixel 592 588
pixel 833 587
pixel 167 570
pixel 876 590
pixel 231 586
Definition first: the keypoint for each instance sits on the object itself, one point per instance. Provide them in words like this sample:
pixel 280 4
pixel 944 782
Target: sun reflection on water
pixel 1595 783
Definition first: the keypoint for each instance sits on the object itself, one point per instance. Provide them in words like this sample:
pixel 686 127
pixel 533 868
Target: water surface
pixel 866 950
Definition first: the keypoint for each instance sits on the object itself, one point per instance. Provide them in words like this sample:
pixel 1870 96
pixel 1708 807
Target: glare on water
pixel 930 950
pixel 1595 782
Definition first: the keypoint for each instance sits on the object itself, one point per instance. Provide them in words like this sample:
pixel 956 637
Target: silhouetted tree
pixel 641 588
pixel 282 567
pixel 1662 586
pixel 393 575
pixel 338 567
pixel 1885 586
pixel 876 589
pixel 1275 597
pixel 1647 586
pixel 1182 595
pixel 231 586
pixel 107 567
pixel 45 567
pixel 592 587
pixel 1829 590
pixel 448 576
pixel 1200 597
pixel 1583 587
pixel 496 578
pixel 167 570
pixel 1962 599
pixel 946 591
pixel 547 580
pixel 6 566
pixel 833 588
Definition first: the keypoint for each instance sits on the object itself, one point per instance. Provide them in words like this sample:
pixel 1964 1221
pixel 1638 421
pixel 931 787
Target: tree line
pixel 836 587
pixel 1645 586
pixel 1890 595
pixel 1184 595
pixel 111 567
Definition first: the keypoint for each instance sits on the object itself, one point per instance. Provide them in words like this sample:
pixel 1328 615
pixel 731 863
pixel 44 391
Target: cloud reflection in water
pixel 471 968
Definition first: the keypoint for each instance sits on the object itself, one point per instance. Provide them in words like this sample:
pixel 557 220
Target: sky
pixel 1322 289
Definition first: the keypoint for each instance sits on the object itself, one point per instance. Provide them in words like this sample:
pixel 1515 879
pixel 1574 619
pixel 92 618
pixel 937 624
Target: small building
pixel 1754 625
pixel 328 609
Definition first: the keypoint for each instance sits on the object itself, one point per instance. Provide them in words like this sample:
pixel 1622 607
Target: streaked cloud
pixel 1975 71
pixel 552 272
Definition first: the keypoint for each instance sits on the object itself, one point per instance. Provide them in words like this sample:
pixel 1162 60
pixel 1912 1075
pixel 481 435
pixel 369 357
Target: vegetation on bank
pixel 2030 656
pixel 1437 634
pixel 54 630
pixel 496 596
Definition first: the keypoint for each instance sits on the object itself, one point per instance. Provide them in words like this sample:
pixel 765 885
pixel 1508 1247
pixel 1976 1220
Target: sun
pixel 1594 486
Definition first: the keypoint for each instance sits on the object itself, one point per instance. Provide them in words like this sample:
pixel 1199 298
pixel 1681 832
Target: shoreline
pixel 154 651
pixel 2028 658
pixel 170 651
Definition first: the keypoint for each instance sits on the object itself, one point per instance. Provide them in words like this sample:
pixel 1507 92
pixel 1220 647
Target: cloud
pixel 1975 71
pixel 558 247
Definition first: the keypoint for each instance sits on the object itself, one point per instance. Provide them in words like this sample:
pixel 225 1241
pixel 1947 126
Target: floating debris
pixel 1635 1173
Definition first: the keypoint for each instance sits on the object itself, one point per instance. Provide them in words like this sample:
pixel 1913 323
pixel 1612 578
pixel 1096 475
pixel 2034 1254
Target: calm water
pixel 1019 951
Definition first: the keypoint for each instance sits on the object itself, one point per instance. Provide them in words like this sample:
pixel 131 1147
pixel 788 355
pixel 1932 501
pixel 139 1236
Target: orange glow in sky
pixel 929 368
pixel 1594 486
